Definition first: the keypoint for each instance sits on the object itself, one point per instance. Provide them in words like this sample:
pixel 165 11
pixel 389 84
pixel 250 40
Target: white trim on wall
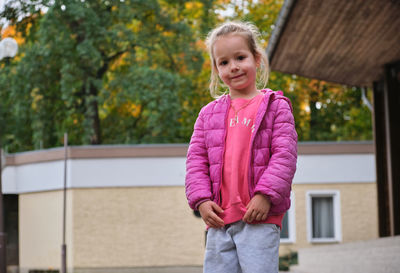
pixel 95 173
pixel 167 171
pixel 292 221
pixel 336 168
pixel 335 194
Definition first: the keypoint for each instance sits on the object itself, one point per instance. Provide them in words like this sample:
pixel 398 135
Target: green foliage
pixel 133 71
pixel 80 56
pixel 287 260
pixel 323 111
pixel 336 112
pixel 147 110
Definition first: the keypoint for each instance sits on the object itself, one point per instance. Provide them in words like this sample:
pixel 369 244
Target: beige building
pixel 126 206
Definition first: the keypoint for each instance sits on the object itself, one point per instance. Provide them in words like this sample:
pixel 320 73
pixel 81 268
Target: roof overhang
pixel 341 41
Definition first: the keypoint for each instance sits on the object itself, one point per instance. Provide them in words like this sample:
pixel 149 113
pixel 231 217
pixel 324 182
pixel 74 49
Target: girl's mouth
pixel 238 76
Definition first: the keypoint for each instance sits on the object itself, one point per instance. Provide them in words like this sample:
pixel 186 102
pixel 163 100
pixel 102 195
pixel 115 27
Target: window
pixel 288 232
pixel 323 216
pixel 285 227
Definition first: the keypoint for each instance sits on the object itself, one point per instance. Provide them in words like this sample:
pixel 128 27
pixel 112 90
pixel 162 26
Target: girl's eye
pixel 241 58
pixel 223 63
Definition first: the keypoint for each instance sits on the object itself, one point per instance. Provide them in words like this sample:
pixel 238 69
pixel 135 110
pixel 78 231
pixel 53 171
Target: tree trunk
pixel 95 138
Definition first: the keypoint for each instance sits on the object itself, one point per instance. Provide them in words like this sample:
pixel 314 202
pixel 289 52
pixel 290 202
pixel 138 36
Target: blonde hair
pixel 252 35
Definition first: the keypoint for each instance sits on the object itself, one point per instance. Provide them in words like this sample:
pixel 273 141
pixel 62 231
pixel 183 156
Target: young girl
pixel 242 157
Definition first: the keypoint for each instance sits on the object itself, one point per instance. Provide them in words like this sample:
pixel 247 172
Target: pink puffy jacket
pixel 273 152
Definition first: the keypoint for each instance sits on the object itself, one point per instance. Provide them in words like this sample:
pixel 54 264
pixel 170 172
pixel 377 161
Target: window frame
pixel 291 222
pixel 337 226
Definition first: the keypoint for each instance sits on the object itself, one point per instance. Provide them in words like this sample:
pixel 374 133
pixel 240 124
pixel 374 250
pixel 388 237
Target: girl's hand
pixel 208 212
pixel 257 209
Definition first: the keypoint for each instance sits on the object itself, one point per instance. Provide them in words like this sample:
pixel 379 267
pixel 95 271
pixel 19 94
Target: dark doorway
pixel 11 228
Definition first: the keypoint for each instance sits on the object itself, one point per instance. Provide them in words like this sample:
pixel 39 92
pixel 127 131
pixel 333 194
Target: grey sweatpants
pixel 242 248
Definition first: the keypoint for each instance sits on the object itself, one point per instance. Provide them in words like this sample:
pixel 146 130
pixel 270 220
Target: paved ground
pixel 191 269
pixel 371 256
pixel 194 269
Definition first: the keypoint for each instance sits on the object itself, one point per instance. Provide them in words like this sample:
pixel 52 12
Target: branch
pixel 108 60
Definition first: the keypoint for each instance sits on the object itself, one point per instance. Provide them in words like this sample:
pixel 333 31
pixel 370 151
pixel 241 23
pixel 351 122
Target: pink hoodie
pixel 273 152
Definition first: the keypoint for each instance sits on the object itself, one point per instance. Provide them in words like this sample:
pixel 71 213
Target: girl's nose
pixel 234 66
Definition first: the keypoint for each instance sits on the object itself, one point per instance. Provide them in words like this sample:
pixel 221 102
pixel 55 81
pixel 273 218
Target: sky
pixel 2 21
pixel 224 13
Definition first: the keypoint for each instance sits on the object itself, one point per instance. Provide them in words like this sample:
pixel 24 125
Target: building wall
pixel 110 227
pixel 135 227
pixel 41 230
pixel 153 226
pixel 359 214
pixel 126 206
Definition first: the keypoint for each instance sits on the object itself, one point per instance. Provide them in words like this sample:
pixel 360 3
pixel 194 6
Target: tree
pixel 323 111
pixel 82 55
pixel 134 71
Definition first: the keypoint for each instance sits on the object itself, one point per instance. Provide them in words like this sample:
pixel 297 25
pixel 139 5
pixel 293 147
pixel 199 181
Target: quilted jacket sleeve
pixel 277 178
pixel 198 183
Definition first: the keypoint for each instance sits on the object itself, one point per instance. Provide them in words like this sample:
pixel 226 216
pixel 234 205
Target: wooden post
pixel 3 235
pixel 387 149
pixel 380 159
pixel 64 246
pixel 392 122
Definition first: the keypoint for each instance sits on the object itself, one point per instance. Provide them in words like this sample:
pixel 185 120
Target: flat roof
pixel 167 150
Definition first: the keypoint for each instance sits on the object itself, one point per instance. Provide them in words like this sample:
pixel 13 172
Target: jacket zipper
pixel 250 180
pixel 218 197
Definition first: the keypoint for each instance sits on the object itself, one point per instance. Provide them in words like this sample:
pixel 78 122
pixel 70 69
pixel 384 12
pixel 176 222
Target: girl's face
pixel 236 65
